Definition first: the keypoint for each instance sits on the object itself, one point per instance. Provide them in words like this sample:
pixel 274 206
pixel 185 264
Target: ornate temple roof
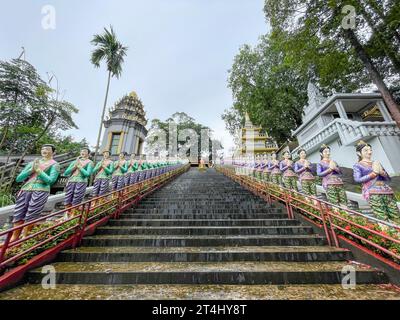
pixel 129 107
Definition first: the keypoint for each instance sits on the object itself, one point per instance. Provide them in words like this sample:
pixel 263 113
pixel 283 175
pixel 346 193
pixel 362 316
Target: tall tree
pixel 21 88
pixel 265 86
pixel 58 114
pixel 362 32
pixel 109 49
pixel 182 122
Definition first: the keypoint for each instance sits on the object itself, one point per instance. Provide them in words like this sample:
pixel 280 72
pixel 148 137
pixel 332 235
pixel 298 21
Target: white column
pixel 384 111
pixel 340 109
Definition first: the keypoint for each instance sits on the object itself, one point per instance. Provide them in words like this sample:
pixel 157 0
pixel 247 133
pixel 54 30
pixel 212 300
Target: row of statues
pixel 370 174
pixel 40 174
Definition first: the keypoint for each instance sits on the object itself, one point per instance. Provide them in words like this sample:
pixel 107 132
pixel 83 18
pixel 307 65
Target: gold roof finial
pixel 133 94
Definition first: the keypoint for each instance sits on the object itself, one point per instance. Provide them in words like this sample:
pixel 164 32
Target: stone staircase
pixel 205 237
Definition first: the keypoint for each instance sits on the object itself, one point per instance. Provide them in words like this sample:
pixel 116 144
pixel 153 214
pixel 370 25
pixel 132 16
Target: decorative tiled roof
pixel 129 107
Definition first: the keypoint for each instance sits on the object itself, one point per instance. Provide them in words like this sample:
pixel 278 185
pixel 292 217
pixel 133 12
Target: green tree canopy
pixel 182 122
pixel 348 45
pixel 265 86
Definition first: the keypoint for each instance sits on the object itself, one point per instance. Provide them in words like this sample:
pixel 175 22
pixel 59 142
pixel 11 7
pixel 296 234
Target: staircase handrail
pixel 71 230
pixel 376 237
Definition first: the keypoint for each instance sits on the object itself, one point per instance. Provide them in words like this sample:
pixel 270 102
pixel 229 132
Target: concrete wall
pixel 391 147
pixel 309 131
pixel 344 156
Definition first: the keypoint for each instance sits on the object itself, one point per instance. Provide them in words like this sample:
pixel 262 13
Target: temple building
pixel 125 126
pixel 255 140
pixel 341 121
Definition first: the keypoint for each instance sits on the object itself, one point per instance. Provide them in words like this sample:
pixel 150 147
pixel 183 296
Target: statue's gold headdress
pixel 324 146
pixel 361 142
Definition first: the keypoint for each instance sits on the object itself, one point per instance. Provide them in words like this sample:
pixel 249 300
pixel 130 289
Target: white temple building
pixel 341 121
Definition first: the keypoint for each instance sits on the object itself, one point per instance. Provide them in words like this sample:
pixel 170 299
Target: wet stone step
pixel 202 222
pixel 208 273
pixel 208 230
pixel 202 208
pixel 213 197
pixel 209 198
pixel 203 254
pixel 203 241
pixel 203 292
pixel 203 216
pixel 206 210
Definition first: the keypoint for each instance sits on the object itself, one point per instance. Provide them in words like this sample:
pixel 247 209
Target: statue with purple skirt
pixel 302 168
pixel 257 168
pixel 131 176
pixel 288 174
pixel 39 175
pixel 264 168
pixel 375 188
pixel 120 168
pixel 103 172
pixel 332 182
pixel 273 166
pixel 79 172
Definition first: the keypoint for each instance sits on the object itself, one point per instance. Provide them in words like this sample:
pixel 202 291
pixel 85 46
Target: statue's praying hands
pixel 332 165
pixel 377 167
pixel 35 166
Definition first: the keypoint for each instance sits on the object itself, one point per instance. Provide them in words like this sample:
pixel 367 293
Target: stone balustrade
pixel 349 133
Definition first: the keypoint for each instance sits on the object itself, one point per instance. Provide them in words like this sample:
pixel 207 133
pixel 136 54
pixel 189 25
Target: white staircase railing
pixel 349 133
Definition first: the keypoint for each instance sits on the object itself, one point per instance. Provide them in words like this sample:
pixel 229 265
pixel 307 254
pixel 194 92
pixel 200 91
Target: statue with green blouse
pixel 120 168
pixel 39 175
pixel 132 173
pixel 79 172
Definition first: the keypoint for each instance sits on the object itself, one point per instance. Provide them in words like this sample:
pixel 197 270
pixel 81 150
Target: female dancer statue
pixel 79 171
pixel 289 176
pixel 375 189
pixel 103 171
pixel 307 180
pixel 331 181
pixel 273 166
pixel 120 168
pixel 39 175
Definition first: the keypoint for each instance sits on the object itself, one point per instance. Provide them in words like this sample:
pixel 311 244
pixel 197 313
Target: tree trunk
pixel 375 75
pixel 3 139
pixel 4 171
pixel 102 119
pixel 7 126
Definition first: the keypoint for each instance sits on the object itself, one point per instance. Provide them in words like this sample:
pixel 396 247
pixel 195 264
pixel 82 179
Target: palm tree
pixel 108 48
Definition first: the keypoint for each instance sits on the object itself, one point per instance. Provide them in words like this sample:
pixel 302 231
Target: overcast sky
pixel 179 53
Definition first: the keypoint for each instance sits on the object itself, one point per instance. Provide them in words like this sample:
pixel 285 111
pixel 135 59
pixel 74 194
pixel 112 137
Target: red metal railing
pixel 84 217
pixel 375 237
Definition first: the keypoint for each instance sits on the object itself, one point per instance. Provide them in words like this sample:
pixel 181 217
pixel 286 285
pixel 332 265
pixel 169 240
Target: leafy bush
pixel 6 199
